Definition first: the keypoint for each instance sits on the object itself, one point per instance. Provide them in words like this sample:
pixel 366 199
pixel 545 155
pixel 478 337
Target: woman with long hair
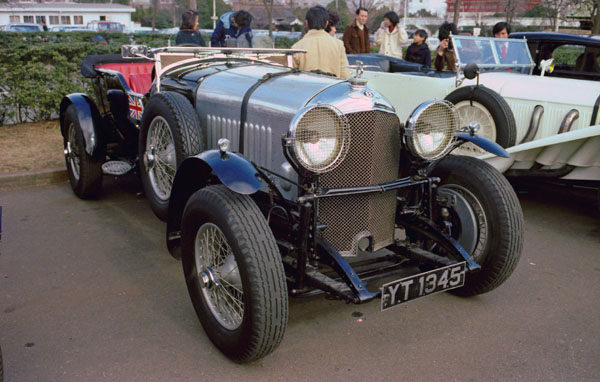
pixel 391 36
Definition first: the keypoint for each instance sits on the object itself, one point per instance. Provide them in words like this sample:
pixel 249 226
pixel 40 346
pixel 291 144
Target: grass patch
pixel 31 146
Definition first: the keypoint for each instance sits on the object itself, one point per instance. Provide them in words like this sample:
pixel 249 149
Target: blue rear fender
pixel 232 170
pixel 89 120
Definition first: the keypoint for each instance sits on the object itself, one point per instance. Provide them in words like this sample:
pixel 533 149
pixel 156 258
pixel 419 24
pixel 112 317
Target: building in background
pixel 64 13
pixel 488 7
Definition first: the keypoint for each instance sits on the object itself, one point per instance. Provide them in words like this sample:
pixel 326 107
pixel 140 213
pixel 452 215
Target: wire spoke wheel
pixel 219 275
pixel 470 225
pixel 160 157
pixel 72 151
pixel 467 114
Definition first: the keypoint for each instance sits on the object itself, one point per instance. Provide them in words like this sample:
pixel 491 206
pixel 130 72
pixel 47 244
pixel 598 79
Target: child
pixel 418 51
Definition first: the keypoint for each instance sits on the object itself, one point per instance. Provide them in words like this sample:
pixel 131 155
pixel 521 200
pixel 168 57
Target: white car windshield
pixel 493 53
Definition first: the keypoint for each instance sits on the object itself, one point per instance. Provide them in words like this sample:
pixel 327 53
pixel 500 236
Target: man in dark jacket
pixel 234 26
pixel 356 35
pixel 188 31
pixel 419 51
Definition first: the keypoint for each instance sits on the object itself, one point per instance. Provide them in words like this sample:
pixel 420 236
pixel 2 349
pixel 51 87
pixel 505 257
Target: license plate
pixel 422 284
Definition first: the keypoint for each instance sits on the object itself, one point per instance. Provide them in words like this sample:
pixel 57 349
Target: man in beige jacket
pixel 323 51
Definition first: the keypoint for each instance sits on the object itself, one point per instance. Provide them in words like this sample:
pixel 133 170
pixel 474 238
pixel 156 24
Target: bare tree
pixel 269 8
pixel 511 8
pixel 369 5
pixel 557 10
pixel 593 7
pixel 456 11
pixel 154 10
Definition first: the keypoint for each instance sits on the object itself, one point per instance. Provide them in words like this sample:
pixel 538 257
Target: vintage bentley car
pixel 276 182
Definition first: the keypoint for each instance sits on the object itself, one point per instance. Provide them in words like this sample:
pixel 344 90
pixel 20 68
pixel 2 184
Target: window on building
pixel 28 19
pixel 102 18
pixel 40 19
pixel 78 20
pixel 65 20
pixel 53 20
pixel 15 19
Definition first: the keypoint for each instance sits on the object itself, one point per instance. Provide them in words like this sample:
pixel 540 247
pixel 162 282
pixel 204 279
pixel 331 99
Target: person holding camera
pixel 445 51
pixel 233 30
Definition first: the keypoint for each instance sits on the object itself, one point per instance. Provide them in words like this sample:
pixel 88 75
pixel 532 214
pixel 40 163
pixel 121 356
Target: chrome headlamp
pixel 431 129
pixel 320 137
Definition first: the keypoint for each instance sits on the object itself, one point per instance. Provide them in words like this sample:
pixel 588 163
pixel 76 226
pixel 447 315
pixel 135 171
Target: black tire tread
pixel 189 136
pixel 186 117
pixel 508 246
pixel 464 94
pixel 89 184
pixel 263 262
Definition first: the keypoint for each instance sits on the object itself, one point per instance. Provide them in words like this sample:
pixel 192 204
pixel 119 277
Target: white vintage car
pixel 511 105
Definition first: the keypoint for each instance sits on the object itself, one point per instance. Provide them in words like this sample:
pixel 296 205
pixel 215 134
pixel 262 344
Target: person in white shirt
pixel 391 36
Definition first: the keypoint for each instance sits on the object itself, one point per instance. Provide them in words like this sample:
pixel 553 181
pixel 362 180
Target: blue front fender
pixel 486 144
pixel 232 170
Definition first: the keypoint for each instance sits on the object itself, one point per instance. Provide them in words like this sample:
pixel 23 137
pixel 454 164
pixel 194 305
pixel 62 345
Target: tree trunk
pixel 456 11
pixel 154 16
pixel 192 5
pixel 596 18
pixel 269 8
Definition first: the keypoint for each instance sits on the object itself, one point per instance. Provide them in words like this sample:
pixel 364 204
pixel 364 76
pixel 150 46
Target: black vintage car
pixel 574 56
pixel 275 182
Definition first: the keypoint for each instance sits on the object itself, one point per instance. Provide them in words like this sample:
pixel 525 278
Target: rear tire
pixel 169 133
pixel 486 107
pixel 237 287
pixel 490 205
pixel 84 170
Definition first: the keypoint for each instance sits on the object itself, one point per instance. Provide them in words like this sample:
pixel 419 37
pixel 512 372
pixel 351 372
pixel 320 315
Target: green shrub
pixel 38 69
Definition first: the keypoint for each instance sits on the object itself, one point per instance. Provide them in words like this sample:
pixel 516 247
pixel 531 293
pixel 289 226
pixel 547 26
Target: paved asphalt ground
pixel 88 292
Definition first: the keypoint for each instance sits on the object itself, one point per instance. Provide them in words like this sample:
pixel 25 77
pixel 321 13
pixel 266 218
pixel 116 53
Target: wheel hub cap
pixel 208 279
pixel 149 159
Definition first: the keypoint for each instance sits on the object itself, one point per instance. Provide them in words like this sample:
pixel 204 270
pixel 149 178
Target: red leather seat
pixel 140 82
pixel 138 75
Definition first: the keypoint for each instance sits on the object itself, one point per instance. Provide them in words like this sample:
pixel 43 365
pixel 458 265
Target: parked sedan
pixel 574 56
pixel 21 27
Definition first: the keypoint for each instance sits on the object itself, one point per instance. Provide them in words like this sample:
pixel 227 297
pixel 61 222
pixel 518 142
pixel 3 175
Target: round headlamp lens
pixel 431 129
pixel 321 138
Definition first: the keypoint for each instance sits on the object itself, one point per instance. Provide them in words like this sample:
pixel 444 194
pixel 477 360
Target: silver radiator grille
pixel 373 158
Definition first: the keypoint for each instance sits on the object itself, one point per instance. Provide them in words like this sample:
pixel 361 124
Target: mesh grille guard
pixel 373 158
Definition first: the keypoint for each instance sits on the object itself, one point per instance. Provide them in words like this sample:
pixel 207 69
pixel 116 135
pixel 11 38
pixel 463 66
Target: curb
pixel 33 178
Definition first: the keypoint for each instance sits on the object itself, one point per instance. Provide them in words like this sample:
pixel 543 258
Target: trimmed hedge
pixel 38 69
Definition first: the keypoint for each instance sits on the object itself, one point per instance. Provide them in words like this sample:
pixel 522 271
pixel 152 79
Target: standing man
pixel 356 35
pixel 323 52
pixel 501 30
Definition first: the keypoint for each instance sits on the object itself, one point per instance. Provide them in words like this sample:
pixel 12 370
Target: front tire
pixel 234 273
pixel 486 107
pixel 84 170
pixel 169 133
pixel 487 220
